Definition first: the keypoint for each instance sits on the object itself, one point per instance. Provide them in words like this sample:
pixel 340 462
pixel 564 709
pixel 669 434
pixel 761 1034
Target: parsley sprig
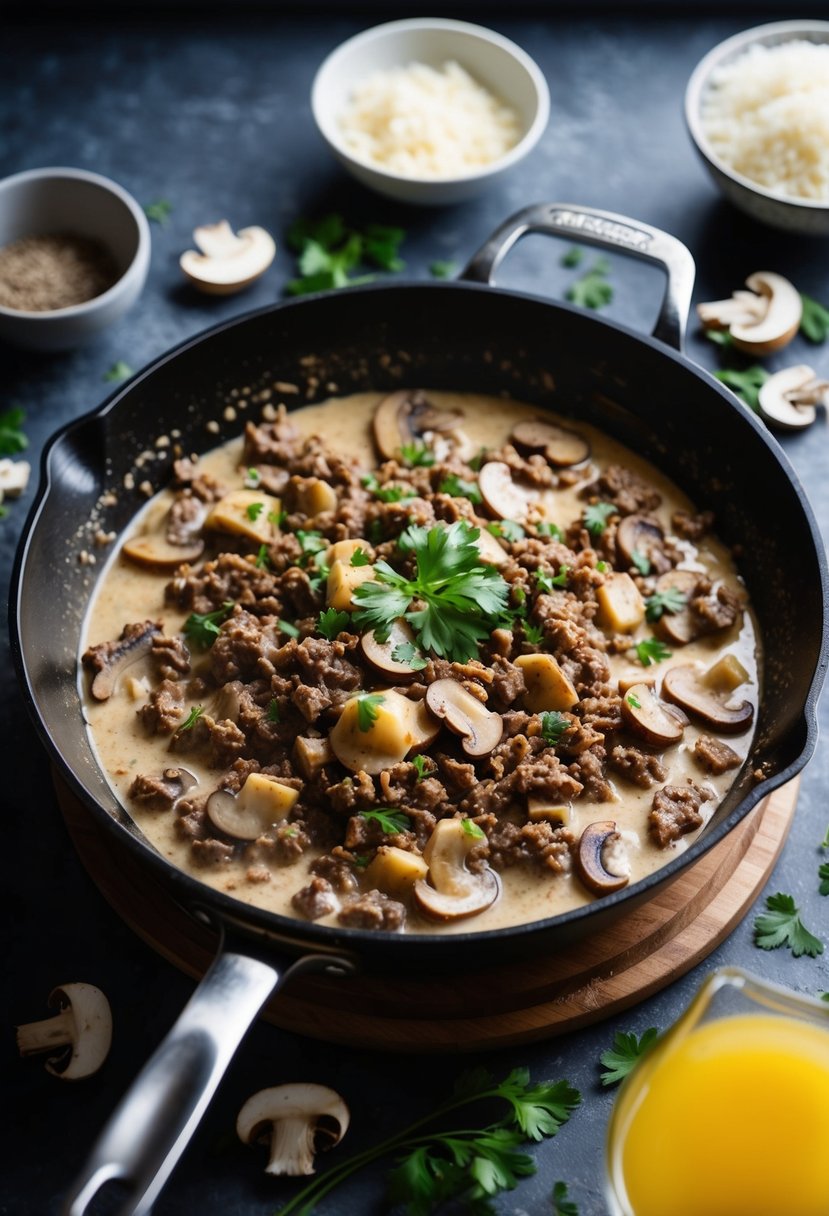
pixel 780 925
pixel 595 516
pixel 459 600
pixel 669 600
pixel 592 290
pixel 651 650
pixel 391 822
pixel 202 628
pixel 745 384
pixel 332 623
pixel 553 726
pixel 12 438
pixel 367 703
pixel 626 1051
pixel 328 252
pixel 466 1166
pixel 562 1206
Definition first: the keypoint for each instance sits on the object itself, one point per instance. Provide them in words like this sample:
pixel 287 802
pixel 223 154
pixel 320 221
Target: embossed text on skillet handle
pixel 608 231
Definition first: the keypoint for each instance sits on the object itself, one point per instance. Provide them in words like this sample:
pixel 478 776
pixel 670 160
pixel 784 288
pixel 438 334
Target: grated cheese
pixel 766 115
pixel 427 122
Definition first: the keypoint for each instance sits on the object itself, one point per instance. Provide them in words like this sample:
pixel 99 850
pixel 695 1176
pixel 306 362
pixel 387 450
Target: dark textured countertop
pixel 212 114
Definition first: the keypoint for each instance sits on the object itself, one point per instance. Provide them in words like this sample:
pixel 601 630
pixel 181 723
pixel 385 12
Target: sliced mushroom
pixel 684 626
pixel 489 550
pixel 780 321
pixel 642 535
pixel 295 1120
pixel 248 513
pixel 380 738
pixel 558 445
pixel 643 713
pixel 381 654
pixel 228 261
pixel 14 478
pixel 788 398
pixel 405 417
pixel 742 308
pixel 110 660
pixel 589 860
pixel 83 1025
pixel 479 728
pixel 261 802
pixel 502 497
pixel 453 892
pixel 683 686
pixel 157 553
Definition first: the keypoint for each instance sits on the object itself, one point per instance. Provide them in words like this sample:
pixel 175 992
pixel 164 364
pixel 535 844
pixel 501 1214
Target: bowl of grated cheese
pixel 429 111
pixel 757 108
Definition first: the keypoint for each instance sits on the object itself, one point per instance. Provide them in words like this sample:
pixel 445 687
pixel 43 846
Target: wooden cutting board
pixel 641 952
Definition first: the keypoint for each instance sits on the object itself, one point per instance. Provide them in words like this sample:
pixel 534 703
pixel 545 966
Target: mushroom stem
pixel 58 1031
pixel 292 1147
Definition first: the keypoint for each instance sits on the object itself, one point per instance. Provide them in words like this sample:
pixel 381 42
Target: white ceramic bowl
pixel 43 201
pixel 495 62
pixel 771 207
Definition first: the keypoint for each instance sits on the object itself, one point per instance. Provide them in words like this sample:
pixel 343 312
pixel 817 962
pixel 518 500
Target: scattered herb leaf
pixel 547 582
pixel 262 560
pixel 562 1206
pixel 508 529
pixel 328 251
pixel 477 460
pixel 641 561
pixel 534 634
pixel 119 371
pixel 422 765
pixel 158 212
pixel 360 558
pixel 441 269
pixel 417 455
pixel 391 822
pixel 253 510
pixel 12 438
pixel 387 493
pixel 627 1049
pixel 602 567
pixel 273 710
pixel 407 652
pixel 592 289
pixel 720 337
pixel 553 726
pixel 595 516
pixel 670 600
pixel 814 323
pixel 746 384
pixel 633 701
pixel 202 628
pixel 823 875
pixel 780 925
pixel 651 650
pixel 332 623
pixel 549 529
pixel 459 488
pixel 573 257
pixel 367 703
pixel 289 628
pixel 277 518
pixel 192 718
pixel 470 828
pixel 311 543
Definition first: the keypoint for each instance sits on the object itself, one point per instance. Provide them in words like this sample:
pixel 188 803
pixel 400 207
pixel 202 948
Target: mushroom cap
pixel 778 398
pixel 480 729
pixel 156 552
pixel 652 721
pixel 405 416
pixel 683 685
pixel 228 261
pixel 780 321
pixel 91 1020
pixel 453 892
pixel 134 643
pixel 559 445
pixel 588 859
pixel 261 802
pixel 644 535
pixel 296 1114
pixel 502 497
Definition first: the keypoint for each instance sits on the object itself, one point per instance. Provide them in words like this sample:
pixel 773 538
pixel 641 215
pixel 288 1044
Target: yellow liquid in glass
pixel 734 1121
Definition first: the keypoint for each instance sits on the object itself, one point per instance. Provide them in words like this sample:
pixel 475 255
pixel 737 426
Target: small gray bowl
pixel 770 207
pixel 43 201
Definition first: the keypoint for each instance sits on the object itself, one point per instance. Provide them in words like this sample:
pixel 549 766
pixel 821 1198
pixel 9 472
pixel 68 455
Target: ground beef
pixel 156 793
pixel 187 514
pixel 715 756
pixel 625 490
pixel 211 852
pixel 511 844
pixel 352 793
pixel 642 768
pixel 337 872
pixel 171 656
pixel 692 527
pixel 131 644
pixel 675 811
pixel 164 710
pixel 508 684
pixel 588 770
pixel 284 846
pixel 374 910
pixel 718 611
pixel 315 900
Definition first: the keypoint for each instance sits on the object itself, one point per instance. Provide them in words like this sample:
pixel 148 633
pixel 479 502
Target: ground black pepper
pixel 40 273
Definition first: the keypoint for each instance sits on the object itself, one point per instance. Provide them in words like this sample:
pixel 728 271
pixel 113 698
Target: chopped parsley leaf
pixel 651 650
pixel 562 1206
pixel 592 290
pixel 458 488
pixel 417 455
pixel 670 600
pixel 814 323
pixel 287 627
pixel 553 726
pixel 641 561
pixel 407 652
pixel 745 384
pixel 602 567
pixel 550 529
pixel 202 628
pixel 471 829
pixel 595 516
pixel 192 718
pixel 508 529
pixel 823 875
pixel 442 270
pixel 573 257
pixel 391 822
pixel 118 372
pixel 158 212
pixel 387 493
pixel 311 543
pixel 273 710
pixel 633 701
pixel 253 510
pixel 262 560
pixel 277 518
pixel 360 558
pixel 12 438
pixel 422 766
pixel 332 623
pixel 780 925
pixel 534 634
pixel 367 703
pixel 328 251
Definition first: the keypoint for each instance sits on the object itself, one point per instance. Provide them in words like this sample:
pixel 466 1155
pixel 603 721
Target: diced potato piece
pixel 540 809
pixel 342 582
pixel 246 513
pixel 627 682
pixel 344 550
pixel 315 496
pixel 547 685
pixel 137 690
pixel 621 607
pixel 311 754
pixel 395 871
pixel 727 674
pixel 267 797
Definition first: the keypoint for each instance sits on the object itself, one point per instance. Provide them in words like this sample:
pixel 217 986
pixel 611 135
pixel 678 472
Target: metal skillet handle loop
pixel 156 1119
pixel 608 231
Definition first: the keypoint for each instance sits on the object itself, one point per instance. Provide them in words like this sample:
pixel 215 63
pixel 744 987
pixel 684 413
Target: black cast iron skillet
pixel 462 336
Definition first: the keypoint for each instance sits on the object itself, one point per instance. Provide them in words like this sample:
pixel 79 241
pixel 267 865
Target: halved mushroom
pixel 377 736
pixel 406 416
pixel 83 1025
pixel 741 308
pixel 641 537
pixel 788 398
pixel 683 686
pixel 589 860
pixel 228 261
pixel 453 892
pixel 684 626
pixel 157 553
pixel 502 497
pixel 559 445
pixel 295 1120
pixel 247 513
pixel 480 729
pixel 261 802
pixel 643 713
pixel 780 321
pixel 110 659
pixel 381 654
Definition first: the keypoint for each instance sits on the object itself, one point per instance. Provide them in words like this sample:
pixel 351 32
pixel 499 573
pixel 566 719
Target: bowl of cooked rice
pixel 757 108
pixel 429 111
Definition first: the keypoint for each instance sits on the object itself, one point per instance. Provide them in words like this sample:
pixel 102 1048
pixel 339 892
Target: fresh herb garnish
pixel 595 516
pixel 720 337
pixel 824 844
pixel 273 710
pixel 442 270
pixel 780 925
pixel 252 479
pixel 318 576
pixel 262 559
pixel 462 598
pixel 602 567
pixel 573 257
pixel 814 323
pixel 477 460
pixel 460 1168
pixel 287 627
pixel 641 561
pixel 508 529
pixel 547 582
pixel 592 289
pixel 553 726
pixel 387 493
pixel 367 703
pixel 253 510
pixel 823 875
pixel 633 701
pixel 421 764
pixel 390 822
pixel 562 1206
pixel 119 371
pixel 471 829
pixel 202 628
pixel 549 529
pixel 12 438
pixel 332 623
pixel 407 652
pixel 670 600
pixel 459 488
pixel 277 518
pixel 651 650
pixel 417 455
pixel 328 251
pixel 626 1051
pixel 746 384
pixel 192 718
pixel 534 634
pixel 311 543
pixel 158 212
pixel 360 558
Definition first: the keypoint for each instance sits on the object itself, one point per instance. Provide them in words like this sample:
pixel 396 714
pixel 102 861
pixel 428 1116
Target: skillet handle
pixel 154 1122
pixel 608 231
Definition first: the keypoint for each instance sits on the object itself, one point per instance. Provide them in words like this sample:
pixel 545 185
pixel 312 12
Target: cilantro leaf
pixel 367 703
pixel 390 822
pixel 627 1049
pixel 823 875
pixel 407 652
pixel 12 438
pixel 641 561
pixel 158 212
pixel 814 323
pixel 119 371
pixel 670 600
pixel 360 558
pixel 202 628
pixel 417 455
pixel 549 529
pixel 746 384
pixel 441 269
pixel 459 488
pixel 651 650
pixel 422 766
pixel 780 925
pixel 573 257
pixel 595 516
pixel 553 726
pixel 592 289
pixel 508 529
pixel 332 623
pixel 192 718
pixel 253 510
pixel 562 1206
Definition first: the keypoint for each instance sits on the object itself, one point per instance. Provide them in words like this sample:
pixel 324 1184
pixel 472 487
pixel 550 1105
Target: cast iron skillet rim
pixel 190 890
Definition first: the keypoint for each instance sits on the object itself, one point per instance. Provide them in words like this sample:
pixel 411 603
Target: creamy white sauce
pixel 126 593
